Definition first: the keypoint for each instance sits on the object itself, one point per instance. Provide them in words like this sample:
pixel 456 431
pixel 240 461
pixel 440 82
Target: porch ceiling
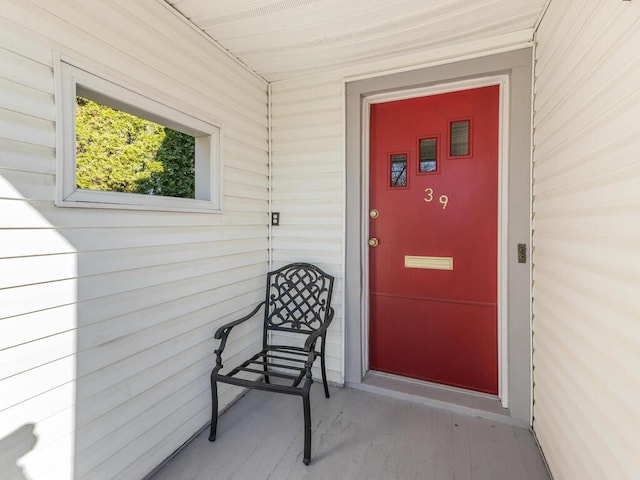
pixel 282 39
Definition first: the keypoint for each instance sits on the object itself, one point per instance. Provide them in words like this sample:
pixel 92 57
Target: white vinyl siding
pixel 586 234
pixel 107 316
pixel 308 186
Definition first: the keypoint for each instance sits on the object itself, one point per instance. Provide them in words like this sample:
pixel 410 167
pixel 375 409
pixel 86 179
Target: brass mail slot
pixel 430 263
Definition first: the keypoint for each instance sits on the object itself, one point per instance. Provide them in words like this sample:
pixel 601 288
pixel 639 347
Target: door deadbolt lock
pixel 373 213
pixel 373 242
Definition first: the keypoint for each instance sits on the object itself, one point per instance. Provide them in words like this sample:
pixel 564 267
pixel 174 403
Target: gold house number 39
pixel 428 197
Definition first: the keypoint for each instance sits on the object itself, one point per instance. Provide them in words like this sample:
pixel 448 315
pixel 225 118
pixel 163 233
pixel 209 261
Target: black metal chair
pixel 298 300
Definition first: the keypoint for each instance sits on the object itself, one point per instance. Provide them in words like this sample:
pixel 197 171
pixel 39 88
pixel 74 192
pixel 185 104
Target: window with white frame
pixel 121 149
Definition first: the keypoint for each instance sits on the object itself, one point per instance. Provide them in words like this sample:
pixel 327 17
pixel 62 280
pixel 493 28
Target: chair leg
pixel 266 369
pixel 324 376
pixel 323 368
pixel 307 426
pixel 214 410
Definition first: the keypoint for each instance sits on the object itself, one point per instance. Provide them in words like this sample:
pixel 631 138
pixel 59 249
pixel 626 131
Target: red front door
pixel 433 247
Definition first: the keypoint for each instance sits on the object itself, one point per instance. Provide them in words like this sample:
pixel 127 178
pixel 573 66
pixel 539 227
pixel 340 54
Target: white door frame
pixel 503 204
pixel 517 64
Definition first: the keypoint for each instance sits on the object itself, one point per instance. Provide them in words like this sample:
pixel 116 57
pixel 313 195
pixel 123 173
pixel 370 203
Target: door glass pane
pixel 399 170
pixel 428 155
pixel 460 138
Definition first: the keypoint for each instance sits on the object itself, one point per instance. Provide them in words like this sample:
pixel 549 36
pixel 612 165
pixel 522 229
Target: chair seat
pixel 277 361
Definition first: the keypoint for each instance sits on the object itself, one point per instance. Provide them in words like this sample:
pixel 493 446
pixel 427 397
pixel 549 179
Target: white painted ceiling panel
pixel 282 39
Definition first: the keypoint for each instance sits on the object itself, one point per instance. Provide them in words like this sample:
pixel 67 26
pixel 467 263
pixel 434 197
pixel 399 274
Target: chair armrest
pixel 223 332
pixel 226 328
pixel 311 339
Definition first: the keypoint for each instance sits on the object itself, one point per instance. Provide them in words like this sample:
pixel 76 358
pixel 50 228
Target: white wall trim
pixel 540 18
pixel 343 271
pixel 270 174
pixel 211 40
pixel 364 226
pixel 530 239
pixel 503 205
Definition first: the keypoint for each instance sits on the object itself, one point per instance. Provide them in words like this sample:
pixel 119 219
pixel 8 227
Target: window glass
pixel 428 155
pixel 120 152
pixel 398 170
pixel 459 138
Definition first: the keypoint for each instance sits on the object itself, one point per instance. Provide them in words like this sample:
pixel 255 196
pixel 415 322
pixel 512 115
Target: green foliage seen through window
pixel 119 152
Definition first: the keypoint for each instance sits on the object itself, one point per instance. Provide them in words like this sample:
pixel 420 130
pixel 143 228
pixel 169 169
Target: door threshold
pixel 438 396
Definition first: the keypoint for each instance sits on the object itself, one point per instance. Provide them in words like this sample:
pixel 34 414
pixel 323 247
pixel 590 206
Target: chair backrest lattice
pixel 298 298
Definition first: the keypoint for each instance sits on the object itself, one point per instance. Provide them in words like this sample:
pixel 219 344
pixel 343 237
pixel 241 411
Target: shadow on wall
pixel 14 446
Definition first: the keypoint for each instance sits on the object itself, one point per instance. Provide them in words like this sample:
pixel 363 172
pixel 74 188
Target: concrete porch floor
pixel 355 435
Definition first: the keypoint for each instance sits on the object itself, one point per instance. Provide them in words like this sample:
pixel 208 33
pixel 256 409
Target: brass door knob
pixel 373 242
pixel 373 213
